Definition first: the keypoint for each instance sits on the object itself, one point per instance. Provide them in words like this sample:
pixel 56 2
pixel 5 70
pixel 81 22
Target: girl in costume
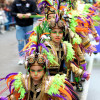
pixel 37 85
pixel 69 34
pixel 63 51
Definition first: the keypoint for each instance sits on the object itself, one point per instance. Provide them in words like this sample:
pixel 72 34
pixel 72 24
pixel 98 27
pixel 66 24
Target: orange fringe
pixel 10 79
pixel 63 91
pixel 27 45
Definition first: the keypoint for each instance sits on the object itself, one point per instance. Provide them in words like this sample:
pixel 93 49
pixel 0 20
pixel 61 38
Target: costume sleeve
pixel 80 55
pixel 76 70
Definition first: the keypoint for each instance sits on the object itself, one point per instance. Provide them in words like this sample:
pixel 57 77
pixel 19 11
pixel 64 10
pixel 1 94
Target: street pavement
pixel 9 59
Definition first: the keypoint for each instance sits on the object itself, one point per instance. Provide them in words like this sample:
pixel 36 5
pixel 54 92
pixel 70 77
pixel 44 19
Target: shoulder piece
pixel 19 85
pixel 25 82
pixel 70 52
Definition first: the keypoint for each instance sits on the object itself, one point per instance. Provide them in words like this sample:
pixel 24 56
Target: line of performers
pixel 55 52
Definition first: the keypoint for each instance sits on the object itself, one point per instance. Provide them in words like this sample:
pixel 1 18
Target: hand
pixel 20 16
pixel 27 15
pixel 88 77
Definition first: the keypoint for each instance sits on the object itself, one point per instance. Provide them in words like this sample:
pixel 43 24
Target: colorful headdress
pixel 33 52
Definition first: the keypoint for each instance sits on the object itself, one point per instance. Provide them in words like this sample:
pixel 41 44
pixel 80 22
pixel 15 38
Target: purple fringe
pixel 2 79
pixel 84 66
pixel 57 95
pixel 58 4
pixel 85 74
pixel 40 44
pixel 80 34
pixel 68 90
pixel 3 98
pixel 97 38
pixel 44 2
pixel 69 85
pixel 57 18
pixel 32 51
pixel 10 75
pixel 11 84
pixel 89 50
pixel 30 32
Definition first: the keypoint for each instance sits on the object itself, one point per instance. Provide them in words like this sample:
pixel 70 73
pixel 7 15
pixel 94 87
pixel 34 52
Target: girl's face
pixel 36 72
pixel 56 35
pixel 51 17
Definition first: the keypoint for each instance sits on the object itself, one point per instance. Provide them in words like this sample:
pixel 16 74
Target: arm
pixel 33 8
pixel 13 9
pixel 78 71
pixel 81 58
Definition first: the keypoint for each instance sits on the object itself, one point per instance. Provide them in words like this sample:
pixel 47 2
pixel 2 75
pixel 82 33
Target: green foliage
pixel 45 27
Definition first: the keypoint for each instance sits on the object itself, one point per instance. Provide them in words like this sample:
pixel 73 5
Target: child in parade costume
pixel 63 51
pixel 50 15
pixel 37 85
pixel 82 24
pixel 78 53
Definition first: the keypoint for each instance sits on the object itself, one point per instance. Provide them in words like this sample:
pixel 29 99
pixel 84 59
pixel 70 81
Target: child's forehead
pixel 36 67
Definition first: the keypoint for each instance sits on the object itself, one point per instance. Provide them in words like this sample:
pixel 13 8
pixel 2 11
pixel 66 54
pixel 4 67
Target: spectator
pixel 19 9
pixel 8 5
pixel 3 18
pixel 2 1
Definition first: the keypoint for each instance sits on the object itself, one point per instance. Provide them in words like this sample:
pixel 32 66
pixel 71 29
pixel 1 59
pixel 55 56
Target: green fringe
pixel 86 8
pixel 96 18
pixel 73 24
pixel 45 27
pixel 77 39
pixel 39 30
pixel 33 38
pixel 50 57
pixel 96 23
pixel 58 81
pixel 70 52
pixel 18 85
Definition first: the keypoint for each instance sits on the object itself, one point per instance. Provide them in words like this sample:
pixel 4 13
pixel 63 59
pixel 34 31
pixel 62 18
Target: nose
pixel 57 34
pixel 35 72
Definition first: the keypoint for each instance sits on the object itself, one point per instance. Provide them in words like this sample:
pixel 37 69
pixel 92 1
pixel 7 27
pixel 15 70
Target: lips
pixel 35 77
pixel 57 38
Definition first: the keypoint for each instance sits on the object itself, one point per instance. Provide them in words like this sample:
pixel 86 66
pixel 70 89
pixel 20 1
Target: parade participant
pixel 63 52
pixel 82 24
pixel 69 35
pixel 38 85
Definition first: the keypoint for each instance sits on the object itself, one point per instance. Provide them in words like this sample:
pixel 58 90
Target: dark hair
pixel 29 66
pixel 2 5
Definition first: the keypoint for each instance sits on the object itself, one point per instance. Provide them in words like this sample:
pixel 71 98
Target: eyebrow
pixel 36 70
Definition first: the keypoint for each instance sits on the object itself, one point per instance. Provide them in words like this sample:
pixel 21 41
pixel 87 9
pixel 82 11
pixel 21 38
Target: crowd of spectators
pixel 5 15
